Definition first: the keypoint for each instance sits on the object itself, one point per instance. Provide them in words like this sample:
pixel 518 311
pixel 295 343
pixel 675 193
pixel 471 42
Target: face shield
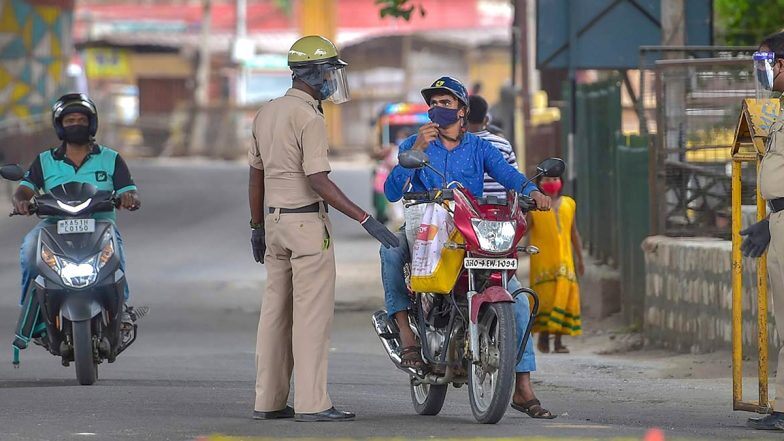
pixel 335 86
pixel 763 74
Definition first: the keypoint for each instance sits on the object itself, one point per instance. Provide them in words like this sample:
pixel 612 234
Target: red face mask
pixel 552 187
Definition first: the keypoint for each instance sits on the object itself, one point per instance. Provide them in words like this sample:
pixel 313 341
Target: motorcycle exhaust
pixel 390 341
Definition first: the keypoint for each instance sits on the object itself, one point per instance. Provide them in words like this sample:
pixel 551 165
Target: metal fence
pixel 698 104
pixel 611 189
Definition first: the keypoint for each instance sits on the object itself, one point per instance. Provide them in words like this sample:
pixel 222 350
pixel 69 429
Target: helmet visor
pixel 763 74
pixel 337 84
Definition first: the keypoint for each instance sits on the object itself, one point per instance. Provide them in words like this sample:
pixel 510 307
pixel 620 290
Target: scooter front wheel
pixel 84 358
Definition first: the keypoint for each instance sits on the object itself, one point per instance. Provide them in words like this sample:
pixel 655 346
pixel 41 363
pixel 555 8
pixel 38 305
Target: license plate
pixel 73 226
pixel 490 264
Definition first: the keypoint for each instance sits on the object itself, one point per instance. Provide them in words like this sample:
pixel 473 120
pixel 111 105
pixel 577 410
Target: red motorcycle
pixel 469 335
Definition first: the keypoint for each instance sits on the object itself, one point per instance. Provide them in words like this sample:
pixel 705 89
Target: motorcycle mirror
pixel 12 172
pixel 413 159
pixel 551 167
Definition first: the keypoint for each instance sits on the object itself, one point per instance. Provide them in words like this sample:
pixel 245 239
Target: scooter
pixel 79 290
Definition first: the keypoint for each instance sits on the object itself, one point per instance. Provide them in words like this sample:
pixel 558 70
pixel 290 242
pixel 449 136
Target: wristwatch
pixel 256 226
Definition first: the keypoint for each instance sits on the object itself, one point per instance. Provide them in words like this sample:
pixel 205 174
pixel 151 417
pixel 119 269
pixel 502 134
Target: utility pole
pixel 673 13
pixel 319 17
pixel 197 144
pixel 241 33
pixel 673 32
pixel 203 69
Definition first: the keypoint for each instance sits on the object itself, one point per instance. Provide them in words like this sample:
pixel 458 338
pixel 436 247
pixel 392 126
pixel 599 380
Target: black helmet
pixel 74 103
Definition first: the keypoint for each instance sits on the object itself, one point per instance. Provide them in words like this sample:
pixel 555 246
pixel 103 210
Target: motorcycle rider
pixel 461 157
pixel 77 159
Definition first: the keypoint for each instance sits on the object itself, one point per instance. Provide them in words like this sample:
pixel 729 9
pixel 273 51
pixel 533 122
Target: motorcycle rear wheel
pixel 491 384
pixel 84 359
pixel 428 399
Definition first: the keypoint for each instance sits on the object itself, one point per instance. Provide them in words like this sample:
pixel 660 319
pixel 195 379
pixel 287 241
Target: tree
pixel 399 8
pixel 748 22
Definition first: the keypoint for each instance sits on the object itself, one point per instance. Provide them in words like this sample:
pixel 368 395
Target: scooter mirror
pixel 551 167
pixel 12 172
pixel 413 159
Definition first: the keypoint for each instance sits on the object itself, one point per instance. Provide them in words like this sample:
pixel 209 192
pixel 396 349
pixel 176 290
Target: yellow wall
pixel 161 66
pixel 492 68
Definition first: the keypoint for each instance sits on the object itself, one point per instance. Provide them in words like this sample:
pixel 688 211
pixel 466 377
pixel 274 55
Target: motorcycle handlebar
pixel 429 196
pixel 527 203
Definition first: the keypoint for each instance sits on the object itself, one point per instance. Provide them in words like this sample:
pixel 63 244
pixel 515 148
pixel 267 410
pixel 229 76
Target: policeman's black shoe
pixel 330 414
pixel 287 412
pixel 774 421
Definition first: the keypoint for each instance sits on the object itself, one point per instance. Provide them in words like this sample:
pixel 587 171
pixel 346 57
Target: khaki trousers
pixel 296 313
pixel 776 277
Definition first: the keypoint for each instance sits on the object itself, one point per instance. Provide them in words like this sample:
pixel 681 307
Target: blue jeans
pixel 27 255
pixel 522 317
pixel 396 296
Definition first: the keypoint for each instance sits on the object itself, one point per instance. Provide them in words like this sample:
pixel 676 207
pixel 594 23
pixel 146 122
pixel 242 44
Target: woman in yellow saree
pixel 553 271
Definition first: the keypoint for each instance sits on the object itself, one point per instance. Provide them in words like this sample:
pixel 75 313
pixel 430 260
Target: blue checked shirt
pixel 466 164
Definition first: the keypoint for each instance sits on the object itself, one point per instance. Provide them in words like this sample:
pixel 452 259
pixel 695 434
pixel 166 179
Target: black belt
pixel 312 208
pixel 776 204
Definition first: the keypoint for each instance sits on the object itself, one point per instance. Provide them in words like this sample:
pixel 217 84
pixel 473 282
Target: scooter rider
pixel 77 159
pixel 461 157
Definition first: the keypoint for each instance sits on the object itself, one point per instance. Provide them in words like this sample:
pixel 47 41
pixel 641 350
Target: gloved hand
pixel 259 244
pixel 380 232
pixel 757 240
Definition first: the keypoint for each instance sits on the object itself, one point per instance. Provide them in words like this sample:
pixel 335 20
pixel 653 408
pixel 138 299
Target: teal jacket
pixel 103 167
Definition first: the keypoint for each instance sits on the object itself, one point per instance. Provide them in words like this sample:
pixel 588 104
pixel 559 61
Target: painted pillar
pixel 35 48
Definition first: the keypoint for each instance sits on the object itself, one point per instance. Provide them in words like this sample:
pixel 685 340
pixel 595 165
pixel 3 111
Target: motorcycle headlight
pixel 494 236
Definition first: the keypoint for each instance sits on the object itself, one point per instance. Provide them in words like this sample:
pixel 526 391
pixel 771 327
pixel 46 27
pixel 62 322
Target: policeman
pixel 289 172
pixel 769 64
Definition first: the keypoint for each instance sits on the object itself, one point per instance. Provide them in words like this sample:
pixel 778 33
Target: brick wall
pixel 688 299
pixel 688 294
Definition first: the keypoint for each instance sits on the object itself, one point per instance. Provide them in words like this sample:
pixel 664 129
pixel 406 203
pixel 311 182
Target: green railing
pixel 611 189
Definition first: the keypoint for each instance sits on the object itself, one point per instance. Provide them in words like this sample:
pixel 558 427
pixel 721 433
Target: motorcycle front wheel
pixel 491 382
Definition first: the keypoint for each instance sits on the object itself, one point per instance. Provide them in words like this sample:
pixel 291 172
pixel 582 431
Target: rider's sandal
pixel 411 357
pixel 534 409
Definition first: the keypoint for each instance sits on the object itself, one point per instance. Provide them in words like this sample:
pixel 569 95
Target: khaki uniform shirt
pixel 771 174
pixel 289 144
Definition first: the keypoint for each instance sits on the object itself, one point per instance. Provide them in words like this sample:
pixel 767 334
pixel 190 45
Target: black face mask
pixel 77 134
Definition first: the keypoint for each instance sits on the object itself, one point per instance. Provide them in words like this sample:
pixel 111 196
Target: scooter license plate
pixel 74 226
pixel 489 264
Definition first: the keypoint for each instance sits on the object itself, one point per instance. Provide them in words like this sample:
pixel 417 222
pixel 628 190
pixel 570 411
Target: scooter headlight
pixel 494 236
pixel 75 274
pixel 79 275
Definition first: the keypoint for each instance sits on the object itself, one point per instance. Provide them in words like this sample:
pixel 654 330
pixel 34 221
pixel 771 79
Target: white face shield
pixel 763 74
pixel 337 86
